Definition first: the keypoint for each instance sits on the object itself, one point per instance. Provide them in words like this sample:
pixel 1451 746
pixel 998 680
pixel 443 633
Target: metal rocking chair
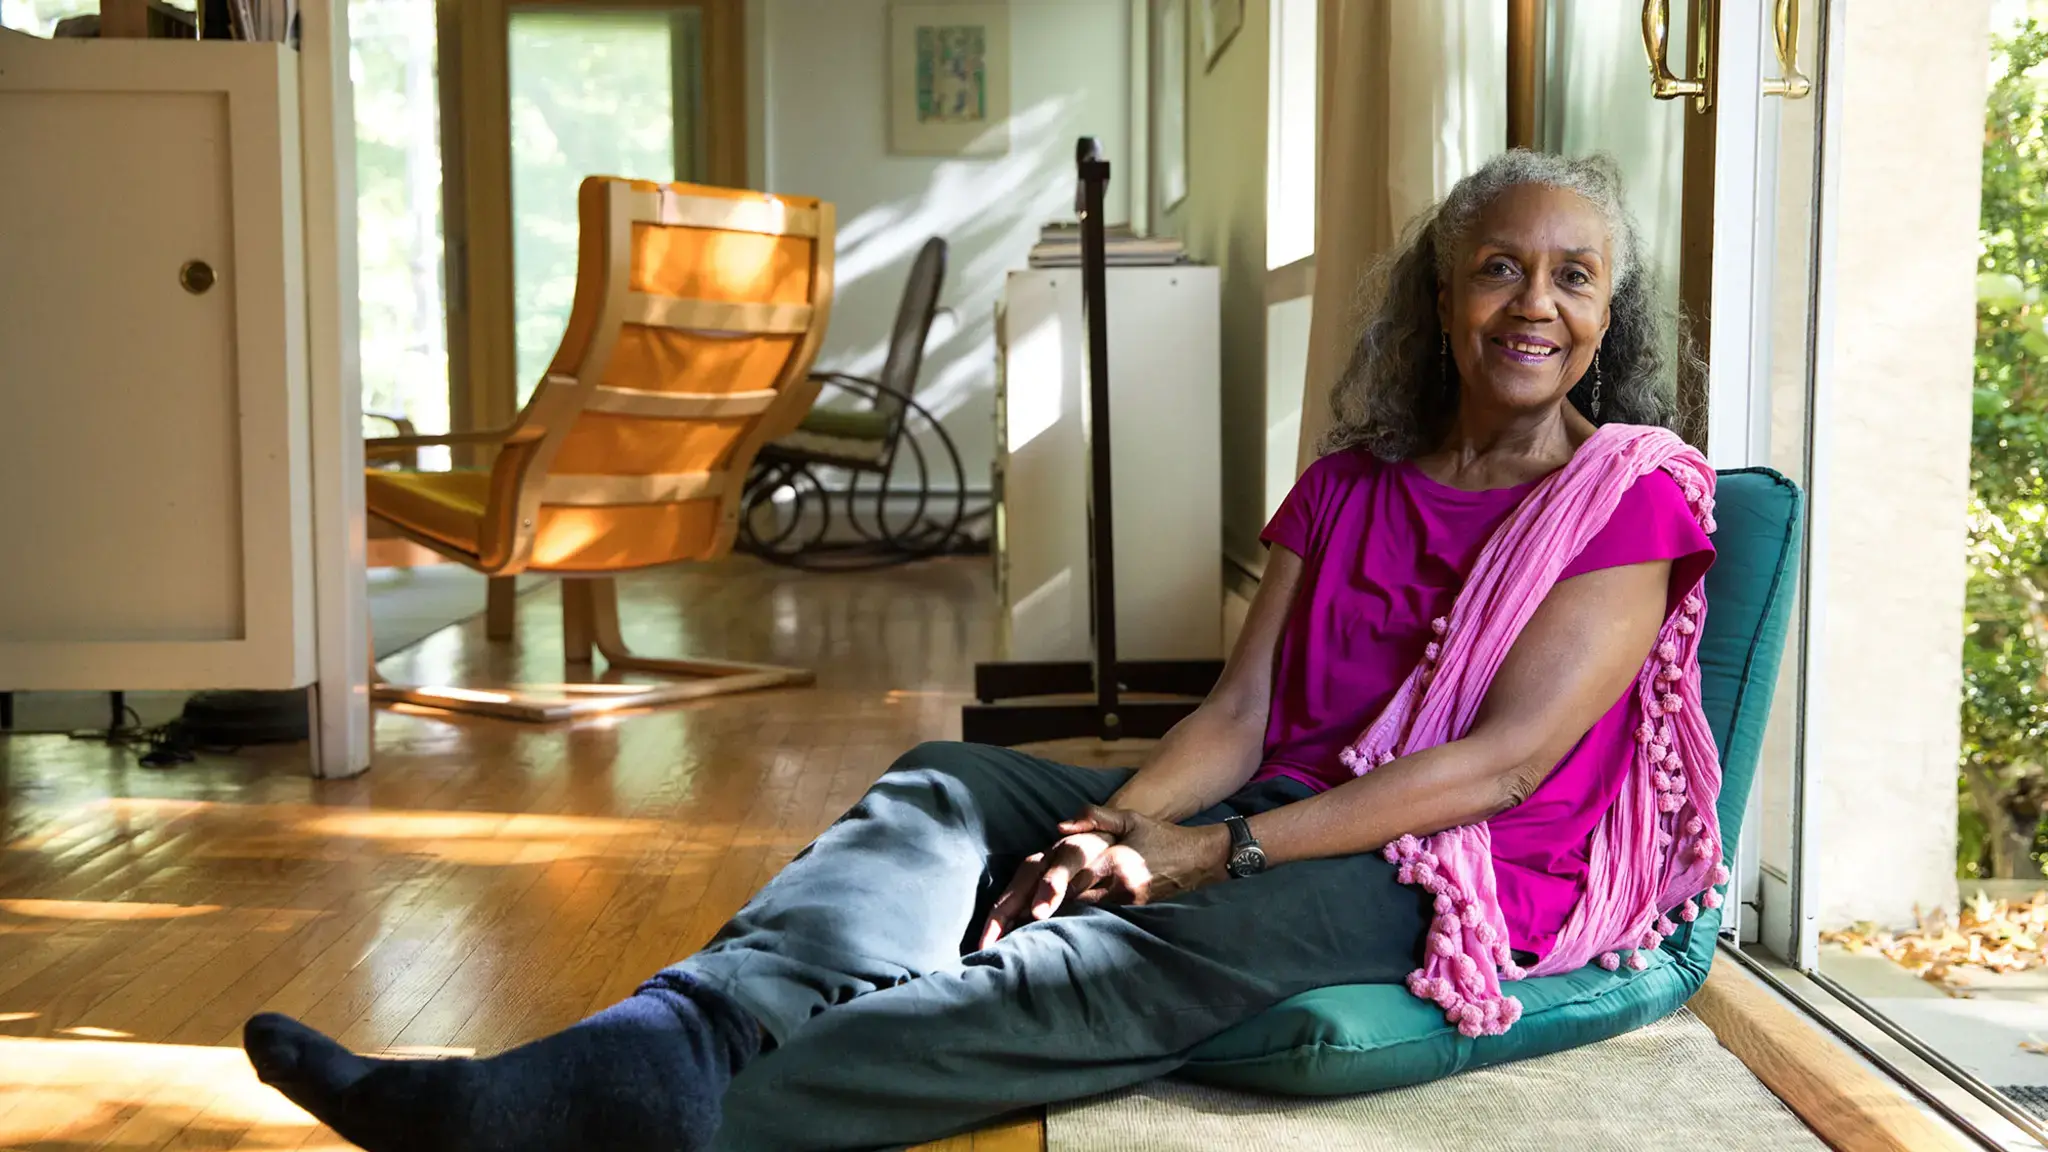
pixel 788 514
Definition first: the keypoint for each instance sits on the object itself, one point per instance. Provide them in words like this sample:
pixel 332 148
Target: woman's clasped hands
pixel 1109 856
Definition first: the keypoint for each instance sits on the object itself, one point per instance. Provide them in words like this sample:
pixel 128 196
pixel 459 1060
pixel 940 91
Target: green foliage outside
pixel 592 94
pixel 399 272
pixel 2004 770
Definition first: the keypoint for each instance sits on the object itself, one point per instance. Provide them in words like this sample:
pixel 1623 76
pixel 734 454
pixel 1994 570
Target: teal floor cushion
pixel 1361 1038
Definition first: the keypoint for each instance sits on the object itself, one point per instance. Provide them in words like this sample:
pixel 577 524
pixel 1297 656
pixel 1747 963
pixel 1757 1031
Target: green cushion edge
pixel 847 423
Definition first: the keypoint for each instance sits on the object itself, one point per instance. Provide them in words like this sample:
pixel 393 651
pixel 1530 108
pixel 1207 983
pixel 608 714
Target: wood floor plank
pixel 1844 1102
pixel 298 980
pixel 643 937
pixel 485 883
pixel 1023 1134
pixel 375 1002
pixel 348 915
pixel 342 984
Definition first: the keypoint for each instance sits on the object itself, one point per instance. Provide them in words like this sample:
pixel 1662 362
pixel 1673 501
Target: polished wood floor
pixel 486 882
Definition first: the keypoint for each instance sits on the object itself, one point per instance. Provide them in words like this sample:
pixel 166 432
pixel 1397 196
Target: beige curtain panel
pixel 1413 98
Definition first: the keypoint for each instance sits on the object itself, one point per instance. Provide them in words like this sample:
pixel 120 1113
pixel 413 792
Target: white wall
pixel 818 126
pixel 1287 326
pixel 1222 220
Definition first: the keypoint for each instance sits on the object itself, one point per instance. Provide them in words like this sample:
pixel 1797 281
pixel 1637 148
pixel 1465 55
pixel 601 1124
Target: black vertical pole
pixel 1094 175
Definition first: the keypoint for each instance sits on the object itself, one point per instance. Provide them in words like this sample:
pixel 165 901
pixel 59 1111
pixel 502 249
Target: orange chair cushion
pixel 446 507
pixel 619 537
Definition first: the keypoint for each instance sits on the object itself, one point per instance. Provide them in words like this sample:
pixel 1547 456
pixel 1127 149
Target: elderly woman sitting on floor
pixel 1458 742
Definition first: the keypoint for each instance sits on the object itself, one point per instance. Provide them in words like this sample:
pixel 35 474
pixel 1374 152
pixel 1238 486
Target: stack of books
pixel 1059 246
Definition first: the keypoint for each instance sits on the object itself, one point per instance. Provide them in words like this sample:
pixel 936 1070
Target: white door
pixel 153 453
pixel 116 453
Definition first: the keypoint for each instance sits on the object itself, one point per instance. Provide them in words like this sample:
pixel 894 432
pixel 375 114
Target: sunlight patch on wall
pixel 1034 383
pixel 1045 615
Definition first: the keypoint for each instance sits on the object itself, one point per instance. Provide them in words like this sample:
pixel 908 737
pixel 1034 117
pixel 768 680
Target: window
pixel 592 92
pixel 1292 90
pixel 1291 133
pixel 393 59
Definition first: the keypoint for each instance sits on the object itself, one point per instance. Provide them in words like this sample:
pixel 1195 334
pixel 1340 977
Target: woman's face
pixel 1525 305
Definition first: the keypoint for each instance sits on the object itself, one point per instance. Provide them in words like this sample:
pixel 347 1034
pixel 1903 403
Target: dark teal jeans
pixel 889 1027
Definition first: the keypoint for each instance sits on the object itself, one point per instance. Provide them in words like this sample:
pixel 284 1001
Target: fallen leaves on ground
pixel 1991 935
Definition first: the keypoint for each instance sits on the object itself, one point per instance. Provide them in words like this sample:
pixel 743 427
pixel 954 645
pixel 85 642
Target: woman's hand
pixel 1150 860
pixel 1044 882
pixel 1109 856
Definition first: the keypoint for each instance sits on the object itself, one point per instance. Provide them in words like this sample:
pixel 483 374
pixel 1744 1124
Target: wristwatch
pixel 1246 857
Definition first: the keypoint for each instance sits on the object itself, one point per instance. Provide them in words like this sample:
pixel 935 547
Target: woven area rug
pixel 1670 1085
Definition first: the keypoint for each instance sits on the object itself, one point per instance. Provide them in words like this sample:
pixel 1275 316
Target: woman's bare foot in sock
pixel 645 1075
pixel 380 1105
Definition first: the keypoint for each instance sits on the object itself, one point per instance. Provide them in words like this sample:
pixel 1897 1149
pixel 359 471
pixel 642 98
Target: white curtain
pixel 1449 89
pixel 1596 99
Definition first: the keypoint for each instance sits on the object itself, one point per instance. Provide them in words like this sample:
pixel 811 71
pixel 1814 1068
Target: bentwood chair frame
pixel 864 442
pixel 526 491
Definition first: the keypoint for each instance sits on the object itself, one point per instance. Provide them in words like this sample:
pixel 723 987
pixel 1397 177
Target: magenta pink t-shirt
pixel 1385 551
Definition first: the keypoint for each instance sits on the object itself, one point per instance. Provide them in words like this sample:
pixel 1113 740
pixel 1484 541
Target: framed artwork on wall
pixel 1169 61
pixel 949 79
pixel 1220 21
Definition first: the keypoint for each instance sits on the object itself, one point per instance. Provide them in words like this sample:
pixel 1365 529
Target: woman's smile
pixel 1522 349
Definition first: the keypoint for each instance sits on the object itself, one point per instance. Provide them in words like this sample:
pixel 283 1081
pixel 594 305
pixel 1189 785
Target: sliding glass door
pixel 394 48
pixel 547 93
pixel 612 92
pixel 1864 882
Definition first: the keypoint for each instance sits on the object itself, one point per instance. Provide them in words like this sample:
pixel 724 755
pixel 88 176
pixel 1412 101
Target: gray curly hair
pixel 1396 398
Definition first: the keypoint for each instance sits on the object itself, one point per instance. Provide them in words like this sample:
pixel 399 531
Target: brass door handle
pixel 1792 84
pixel 1664 84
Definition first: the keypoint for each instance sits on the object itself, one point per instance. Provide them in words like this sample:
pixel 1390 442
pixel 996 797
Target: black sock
pixel 644 1075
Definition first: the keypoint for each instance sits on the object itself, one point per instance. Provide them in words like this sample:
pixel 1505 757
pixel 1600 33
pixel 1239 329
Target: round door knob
pixel 196 276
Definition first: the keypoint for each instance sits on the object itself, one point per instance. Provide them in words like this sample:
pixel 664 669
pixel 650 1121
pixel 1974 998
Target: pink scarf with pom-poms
pixel 1658 848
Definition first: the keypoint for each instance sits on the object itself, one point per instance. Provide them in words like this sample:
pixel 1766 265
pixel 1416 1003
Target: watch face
pixel 1247 861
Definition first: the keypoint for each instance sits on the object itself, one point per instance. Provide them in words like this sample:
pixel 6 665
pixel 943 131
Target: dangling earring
pixel 1443 358
pixel 1596 385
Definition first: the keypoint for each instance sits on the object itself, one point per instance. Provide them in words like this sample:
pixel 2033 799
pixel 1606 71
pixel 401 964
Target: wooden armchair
pixel 697 314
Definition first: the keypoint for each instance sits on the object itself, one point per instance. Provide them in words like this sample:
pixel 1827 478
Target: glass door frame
pixel 1739 428
pixel 1739 416
pixel 476 184
pixel 1774 911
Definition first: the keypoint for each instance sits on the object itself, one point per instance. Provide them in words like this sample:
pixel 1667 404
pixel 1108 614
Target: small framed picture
pixel 1220 21
pixel 949 79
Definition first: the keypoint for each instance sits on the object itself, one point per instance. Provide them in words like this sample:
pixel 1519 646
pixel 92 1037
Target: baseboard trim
pixel 1846 1104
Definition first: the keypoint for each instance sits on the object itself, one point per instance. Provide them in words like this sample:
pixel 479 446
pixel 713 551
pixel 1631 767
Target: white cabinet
pixel 156 523
pixel 1166 437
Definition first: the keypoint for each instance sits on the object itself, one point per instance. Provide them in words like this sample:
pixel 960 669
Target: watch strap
pixel 1240 832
